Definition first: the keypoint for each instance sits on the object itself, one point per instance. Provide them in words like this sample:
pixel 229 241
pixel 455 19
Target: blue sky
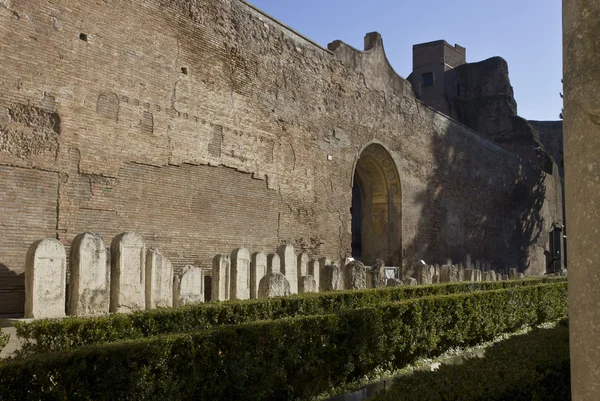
pixel 526 33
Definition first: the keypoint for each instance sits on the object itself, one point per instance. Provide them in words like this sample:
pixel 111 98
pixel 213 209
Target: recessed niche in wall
pixel 184 70
pixel 83 36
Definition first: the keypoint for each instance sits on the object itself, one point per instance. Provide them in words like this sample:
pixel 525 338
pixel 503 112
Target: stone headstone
pixel 498 277
pixel 520 276
pixel 323 285
pixel 314 269
pixel 355 275
pixel 378 274
pixel 332 276
pixel 221 277
pixel 89 276
pixel 45 279
pixel 425 274
pixel 449 262
pixel 188 286
pixel 159 280
pixel 258 269
pixel 410 281
pixel 273 263
pixel 303 260
pixel 307 284
pixel 489 276
pixel 273 285
pixel 468 261
pixel 473 275
pixel 478 264
pixel 127 273
pixel 505 277
pixel 289 265
pixel 435 279
pixel 461 271
pixel 448 274
pixel 240 274
pixel 438 270
pixel 512 273
pixel 393 282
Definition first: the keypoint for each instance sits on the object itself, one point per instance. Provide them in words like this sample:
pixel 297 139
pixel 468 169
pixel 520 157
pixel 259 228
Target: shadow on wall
pixel 12 292
pixel 480 201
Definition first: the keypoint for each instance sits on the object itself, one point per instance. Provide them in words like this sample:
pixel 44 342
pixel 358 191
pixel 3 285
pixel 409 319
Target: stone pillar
pixel 220 277
pixel 581 64
pixel 273 263
pixel 45 279
pixel 89 278
pixel 289 266
pixel 323 282
pixel 303 260
pixel 188 286
pixel 240 274
pixel 258 269
pixel 314 269
pixel 159 280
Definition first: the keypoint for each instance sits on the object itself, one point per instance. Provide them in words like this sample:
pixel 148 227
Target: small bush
pixel 4 337
pixel 533 366
pixel 285 359
pixel 64 334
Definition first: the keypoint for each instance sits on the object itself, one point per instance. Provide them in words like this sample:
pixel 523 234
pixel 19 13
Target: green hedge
pixel 63 334
pixel 285 359
pixel 533 366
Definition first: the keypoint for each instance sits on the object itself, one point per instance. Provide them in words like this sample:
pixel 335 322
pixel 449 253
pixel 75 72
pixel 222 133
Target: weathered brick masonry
pixel 205 126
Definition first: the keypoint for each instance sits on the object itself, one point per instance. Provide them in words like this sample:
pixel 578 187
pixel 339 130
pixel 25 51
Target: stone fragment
pixel 461 271
pixel 438 269
pixel 89 276
pixel 512 273
pixel 307 284
pixel 393 282
pixel 127 273
pixel 273 285
pixel 322 278
pixel 410 281
pixel 520 276
pixel 435 279
pixel 449 262
pixel 468 261
pixel 355 276
pixel 505 277
pixel 332 276
pixel 303 260
pixel 289 265
pixel 159 280
pixel 258 269
pixel 240 274
pixel 188 286
pixel 273 263
pixel 314 269
pixel 425 274
pixel 498 277
pixel 221 277
pixel 448 274
pixel 378 274
pixel 478 264
pixel 45 279
pixel 473 275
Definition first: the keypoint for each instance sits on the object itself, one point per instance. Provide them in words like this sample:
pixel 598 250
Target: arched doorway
pixel 376 208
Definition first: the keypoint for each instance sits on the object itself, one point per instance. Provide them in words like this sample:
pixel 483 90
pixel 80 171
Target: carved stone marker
pixel 273 285
pixel 188 286
pixel 473 275
pixel 240 274
pixel 448 274
pixel 322 283
pixel 159 280
pixel 468 261
pixel 393 282
pixel 258 269
pixel 307 284
pixel 303 260
pixel 127 273
pixel 478 264
pixel 505 277
pixel 332 276
pixel 489 276
pixel 461 271
pixel 45 279
pixel 435 279
pixel 314 269
pixel 378 273
pixel 273 263
pixel 520 276
pixel 512 273
pixel 289 265
pixel 410 281
pixel 425 274
pixel 221 271
pixel 89 276
pixel 355 275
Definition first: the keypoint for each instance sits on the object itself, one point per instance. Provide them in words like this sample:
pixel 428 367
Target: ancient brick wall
pixel 205 125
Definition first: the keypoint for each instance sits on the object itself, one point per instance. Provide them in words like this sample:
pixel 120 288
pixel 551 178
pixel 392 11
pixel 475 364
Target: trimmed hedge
pixel 286 359
pixel 64 334
pixel 533 366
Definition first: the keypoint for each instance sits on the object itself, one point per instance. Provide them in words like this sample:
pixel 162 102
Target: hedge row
pixel 69 333
pixel 533 366
pixel 285 359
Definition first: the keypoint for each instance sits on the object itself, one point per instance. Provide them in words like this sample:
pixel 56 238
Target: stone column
pixel 581 46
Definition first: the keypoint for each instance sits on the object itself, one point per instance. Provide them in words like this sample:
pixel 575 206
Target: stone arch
pixel 379 208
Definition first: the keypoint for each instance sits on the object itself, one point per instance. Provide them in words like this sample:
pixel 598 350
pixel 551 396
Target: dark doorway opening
pixel 356 211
